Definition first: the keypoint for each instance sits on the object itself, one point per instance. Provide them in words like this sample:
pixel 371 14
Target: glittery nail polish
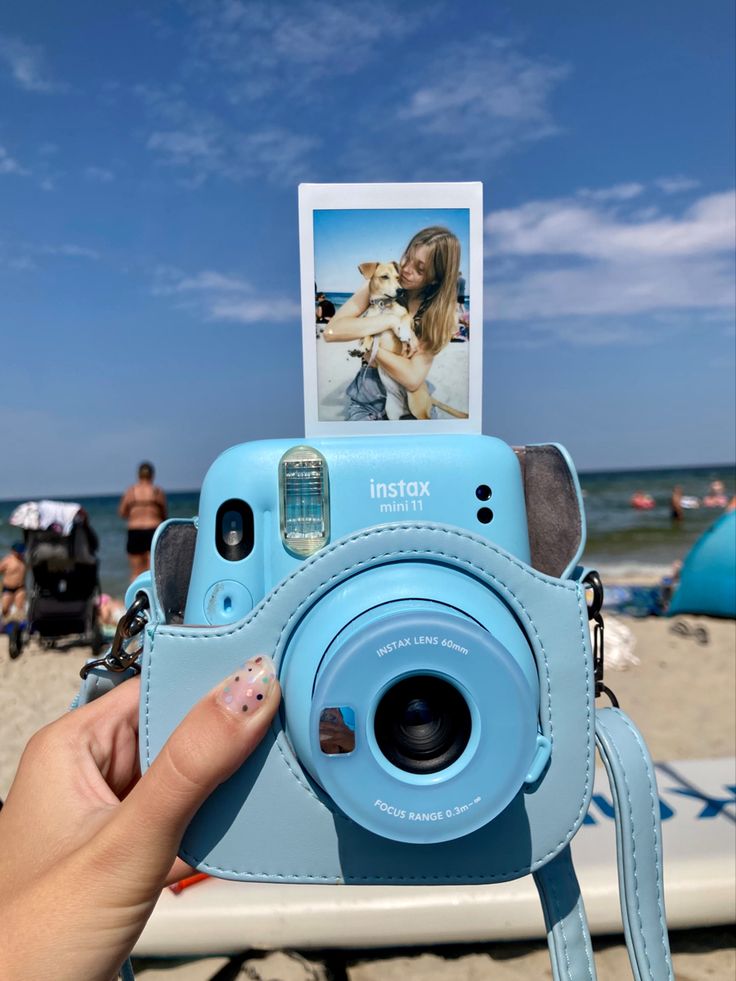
pixel 249 688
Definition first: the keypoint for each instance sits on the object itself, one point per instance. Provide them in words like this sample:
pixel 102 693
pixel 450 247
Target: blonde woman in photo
pixel 429 270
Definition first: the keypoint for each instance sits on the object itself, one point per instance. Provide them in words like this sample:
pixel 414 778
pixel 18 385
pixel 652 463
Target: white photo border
pixel 315 197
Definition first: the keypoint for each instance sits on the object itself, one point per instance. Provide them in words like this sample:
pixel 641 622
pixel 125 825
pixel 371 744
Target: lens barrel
pixel 440 713
pixel 422 724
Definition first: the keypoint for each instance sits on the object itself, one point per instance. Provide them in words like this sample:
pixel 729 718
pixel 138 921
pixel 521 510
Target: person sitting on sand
pixel 110 610
pixel 325 309
pixel 13 573
pixel 428 275
pixel 144 507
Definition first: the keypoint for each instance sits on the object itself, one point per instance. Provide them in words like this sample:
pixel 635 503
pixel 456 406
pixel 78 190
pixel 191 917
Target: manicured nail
pixel 249 688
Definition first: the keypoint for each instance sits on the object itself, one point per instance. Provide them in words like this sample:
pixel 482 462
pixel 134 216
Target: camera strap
pixel 639 854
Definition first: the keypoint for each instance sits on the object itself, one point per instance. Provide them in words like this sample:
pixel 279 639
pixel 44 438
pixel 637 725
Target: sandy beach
pixel 682 695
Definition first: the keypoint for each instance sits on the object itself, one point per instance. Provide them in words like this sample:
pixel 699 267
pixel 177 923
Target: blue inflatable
pixel 708 578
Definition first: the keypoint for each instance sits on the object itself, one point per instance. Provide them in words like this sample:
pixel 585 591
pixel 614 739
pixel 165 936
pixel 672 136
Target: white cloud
pixel 253 85
pixel 615 289
pixel 255 311
pixel 222 296
pixel 619 192
pixel 69 250
pixel 21 263
pixel 25 256
pixel 461 107
pixel 483 80
pixel 255 96
pixel 10 166
pixel 256 48
pixel 566 227
pixel 170 280
pixel 206 147
pixel 27 65
pixel 182 147
pixel 675 185
pixel 562 258
pixel 99 174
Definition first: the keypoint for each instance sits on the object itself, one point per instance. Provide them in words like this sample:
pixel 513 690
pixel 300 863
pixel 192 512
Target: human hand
pixel 88 843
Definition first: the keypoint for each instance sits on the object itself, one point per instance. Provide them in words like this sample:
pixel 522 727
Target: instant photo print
pixel 392 311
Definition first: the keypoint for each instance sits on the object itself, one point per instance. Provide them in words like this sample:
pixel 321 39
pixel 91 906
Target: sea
pixel 624 544
pixel 339 298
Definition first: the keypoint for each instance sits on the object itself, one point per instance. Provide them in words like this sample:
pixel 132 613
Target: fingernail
pixel 248 689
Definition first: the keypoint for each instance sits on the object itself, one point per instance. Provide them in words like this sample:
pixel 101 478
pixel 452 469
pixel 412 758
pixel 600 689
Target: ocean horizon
pixel 622 543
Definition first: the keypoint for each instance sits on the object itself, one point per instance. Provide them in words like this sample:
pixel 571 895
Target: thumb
pixel 206 748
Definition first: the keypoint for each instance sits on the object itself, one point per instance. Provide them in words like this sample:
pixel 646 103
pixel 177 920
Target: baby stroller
pixel 64 591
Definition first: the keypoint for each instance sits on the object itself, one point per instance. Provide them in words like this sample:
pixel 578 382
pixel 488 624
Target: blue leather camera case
pixel 270 821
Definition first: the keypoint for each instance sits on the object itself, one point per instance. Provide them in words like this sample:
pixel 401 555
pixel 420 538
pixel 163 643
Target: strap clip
pixel 593 581
pixel 119 658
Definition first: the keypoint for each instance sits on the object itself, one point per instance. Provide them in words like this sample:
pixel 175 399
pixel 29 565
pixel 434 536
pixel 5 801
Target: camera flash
pixel 304 499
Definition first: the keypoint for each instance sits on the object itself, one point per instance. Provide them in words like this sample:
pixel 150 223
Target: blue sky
pixel 149 162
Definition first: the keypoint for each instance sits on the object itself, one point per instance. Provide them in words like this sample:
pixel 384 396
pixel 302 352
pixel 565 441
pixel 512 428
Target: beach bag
pixel 552 599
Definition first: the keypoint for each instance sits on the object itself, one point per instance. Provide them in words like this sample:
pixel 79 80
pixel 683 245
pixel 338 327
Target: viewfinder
pixel 234 530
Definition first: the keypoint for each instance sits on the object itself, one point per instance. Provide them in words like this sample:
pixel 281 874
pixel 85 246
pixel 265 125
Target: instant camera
pixel 428 618
pixel 422 598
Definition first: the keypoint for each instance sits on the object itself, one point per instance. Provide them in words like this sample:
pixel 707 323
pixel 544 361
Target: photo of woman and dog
pixel 392 314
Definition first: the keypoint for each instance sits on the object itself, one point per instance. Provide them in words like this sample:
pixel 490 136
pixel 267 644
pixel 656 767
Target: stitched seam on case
pixel 395 529
pixel 373 558
pixel 559 924
pixel 653 800
pixel 637 904
pixel 584 932
pixel 589 696
pixel 353 879
pixel 357 567
pixel 540 879
pixel 148 700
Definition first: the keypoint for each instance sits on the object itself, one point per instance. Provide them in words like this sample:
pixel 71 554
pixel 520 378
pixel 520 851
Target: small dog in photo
pixel 383 287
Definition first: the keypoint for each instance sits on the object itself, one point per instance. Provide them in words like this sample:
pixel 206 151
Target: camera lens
pixel 422 724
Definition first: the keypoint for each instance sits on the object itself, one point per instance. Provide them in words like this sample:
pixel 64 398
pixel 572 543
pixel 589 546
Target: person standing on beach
pixel 13 574
pixel 676 504
pixel 429 269
pixel 144 507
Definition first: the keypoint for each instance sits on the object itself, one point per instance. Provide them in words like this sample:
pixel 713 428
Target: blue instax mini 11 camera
pixel 428 620
pixel 411 694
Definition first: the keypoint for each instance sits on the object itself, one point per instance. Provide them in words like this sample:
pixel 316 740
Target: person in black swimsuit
pixel 144 507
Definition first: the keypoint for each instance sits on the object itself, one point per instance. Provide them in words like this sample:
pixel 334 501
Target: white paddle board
pixel 698 809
